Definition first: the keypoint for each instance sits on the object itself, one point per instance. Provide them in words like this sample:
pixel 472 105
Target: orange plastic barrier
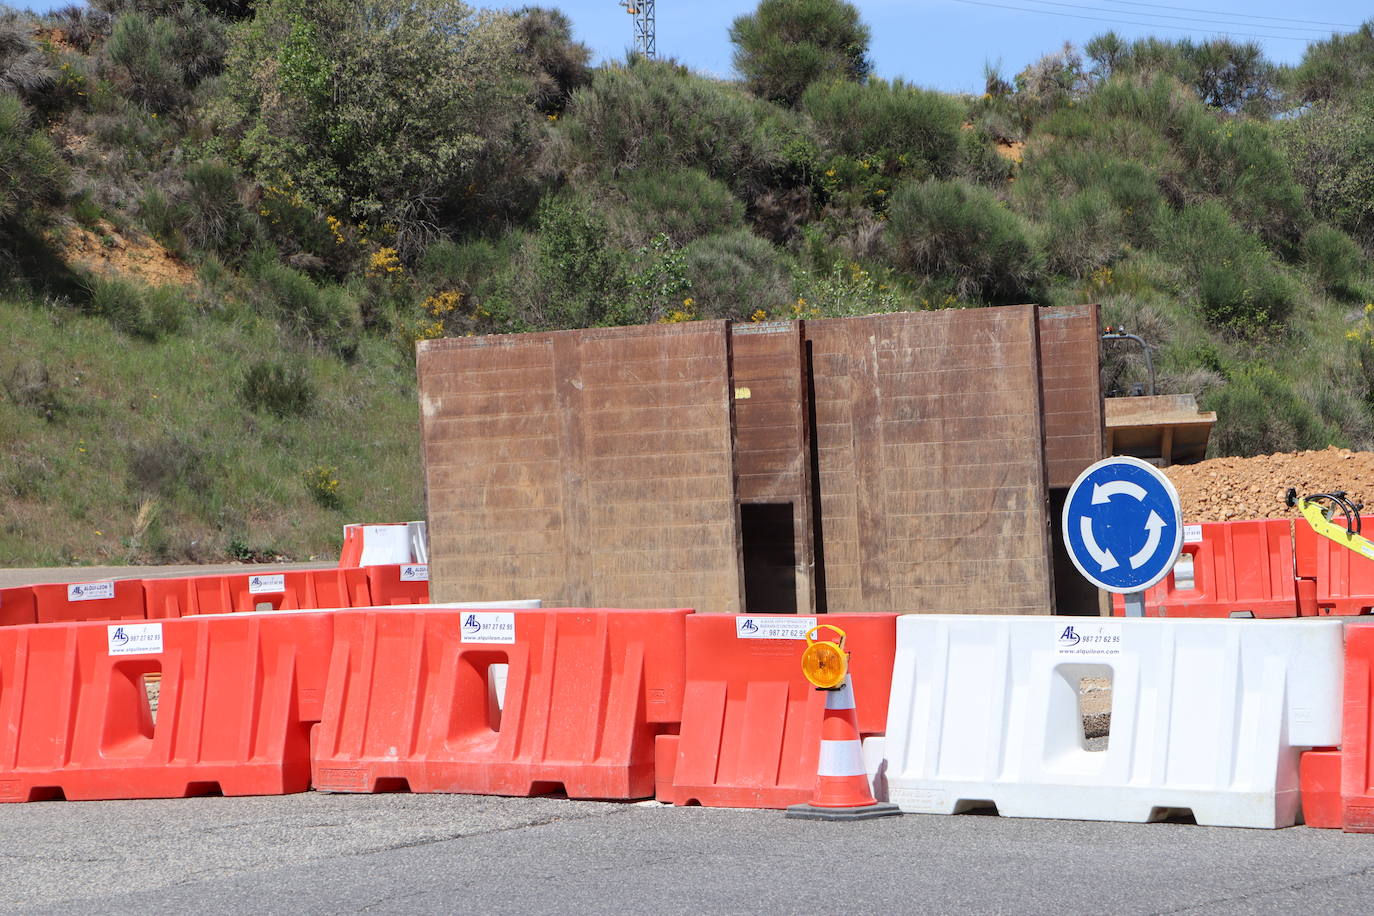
pixel 288 591
pixel 404 584
pixel 17 606
pixel 1319 776
pixel 351 554
pixel 120 599
pixel 1238 567
pixel 751 723
pixel 413 701
pixel 1355 806
pixel 1332 579
pixel 238 696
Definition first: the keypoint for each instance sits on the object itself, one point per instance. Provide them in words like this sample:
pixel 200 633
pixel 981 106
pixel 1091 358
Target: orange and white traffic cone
pixel 842 791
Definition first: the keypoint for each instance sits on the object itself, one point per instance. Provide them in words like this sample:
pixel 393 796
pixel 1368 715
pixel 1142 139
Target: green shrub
pixel 962 232
pixel 327 316
pixel 1083 233
pixel 683 204
pixel 919 127
pixel 31 173
pixel 1223 73
pixel 86 211
pixel 1063 168
pixel 568 274
pixel 978 161
pixel 1258 413
pixel 1245 296
pixel 786 45
pixel 1336 68
pixel 140 311
pixel 1240 288
pixel 378 111
pixel 655 115
pixel 281 389
pixel 215 218
pixel 162 464
pixel 143 57
pixel 30 385
pixel 1334 259
pixel 735 273
pixel 164 217
pixel 1331 149
pixel 847 290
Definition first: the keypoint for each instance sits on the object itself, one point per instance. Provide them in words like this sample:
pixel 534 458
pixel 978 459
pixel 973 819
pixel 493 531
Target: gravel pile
pixel 1224 489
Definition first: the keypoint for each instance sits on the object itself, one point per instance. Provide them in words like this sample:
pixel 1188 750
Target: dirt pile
pixel 1224 489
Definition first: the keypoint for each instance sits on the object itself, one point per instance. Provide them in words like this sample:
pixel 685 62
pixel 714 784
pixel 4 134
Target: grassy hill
pixel 223 226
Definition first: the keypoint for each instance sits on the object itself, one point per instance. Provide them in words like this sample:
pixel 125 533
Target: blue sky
pixel 943 44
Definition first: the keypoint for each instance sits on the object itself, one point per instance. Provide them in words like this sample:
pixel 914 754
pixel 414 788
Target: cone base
pixel 813 813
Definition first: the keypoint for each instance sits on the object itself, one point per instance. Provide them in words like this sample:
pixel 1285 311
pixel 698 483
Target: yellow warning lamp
pixel 825 663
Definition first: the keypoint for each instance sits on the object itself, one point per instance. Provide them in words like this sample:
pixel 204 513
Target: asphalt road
pixel 318 853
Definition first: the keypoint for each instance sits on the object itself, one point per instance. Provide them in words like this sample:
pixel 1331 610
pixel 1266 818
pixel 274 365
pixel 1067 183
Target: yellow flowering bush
pixel 322 482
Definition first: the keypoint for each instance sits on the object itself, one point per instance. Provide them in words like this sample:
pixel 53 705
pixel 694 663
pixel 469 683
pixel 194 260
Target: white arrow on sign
pixel 1104 558
pixel 1105 491
pixel 1154 525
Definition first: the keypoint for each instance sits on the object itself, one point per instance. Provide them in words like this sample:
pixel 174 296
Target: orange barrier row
pixel 162 599
pixel 285 591
pixel 414 700
pixel 1237 568
pixel 236 699
pixel 751 723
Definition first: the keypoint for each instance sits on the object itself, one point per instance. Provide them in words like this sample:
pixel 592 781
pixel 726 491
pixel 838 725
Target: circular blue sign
pixel 1122 525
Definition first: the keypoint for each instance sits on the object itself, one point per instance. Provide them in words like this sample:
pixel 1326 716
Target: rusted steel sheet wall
pixel 585 468
pixel 1071 385
pixel 772 431
pixel 931 459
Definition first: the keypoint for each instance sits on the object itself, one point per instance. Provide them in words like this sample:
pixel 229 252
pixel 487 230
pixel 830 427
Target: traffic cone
pixel 842 792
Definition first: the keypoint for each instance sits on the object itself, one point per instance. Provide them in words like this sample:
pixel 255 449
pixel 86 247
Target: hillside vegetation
pixel 223 226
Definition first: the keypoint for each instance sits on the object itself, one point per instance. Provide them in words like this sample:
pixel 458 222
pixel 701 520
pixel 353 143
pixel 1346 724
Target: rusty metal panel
pixel 931 462
pixel 587 468
pixel 772 432
pixel 1071 385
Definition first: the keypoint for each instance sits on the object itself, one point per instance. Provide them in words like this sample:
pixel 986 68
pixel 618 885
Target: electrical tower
pixel 643 13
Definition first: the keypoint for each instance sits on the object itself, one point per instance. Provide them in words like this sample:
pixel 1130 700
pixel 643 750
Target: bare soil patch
pixel 111 252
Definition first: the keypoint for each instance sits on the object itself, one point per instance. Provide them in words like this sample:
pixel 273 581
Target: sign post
pixel 1123 527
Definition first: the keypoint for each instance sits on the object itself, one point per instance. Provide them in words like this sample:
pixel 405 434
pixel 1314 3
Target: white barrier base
pixel 1207 715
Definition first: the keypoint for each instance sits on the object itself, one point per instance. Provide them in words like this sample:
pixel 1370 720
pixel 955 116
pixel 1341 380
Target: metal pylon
pixel 643 13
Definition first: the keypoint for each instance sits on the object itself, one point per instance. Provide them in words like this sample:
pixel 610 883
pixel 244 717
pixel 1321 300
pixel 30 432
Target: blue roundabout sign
pixel 1122 525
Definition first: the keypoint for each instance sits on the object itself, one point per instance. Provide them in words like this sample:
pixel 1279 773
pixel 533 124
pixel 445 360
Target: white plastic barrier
pixel 419 541
pixel 385 545
pixel 1207 715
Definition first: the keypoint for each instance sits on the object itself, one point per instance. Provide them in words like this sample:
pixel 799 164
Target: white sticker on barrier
pixel 90 591
pixel 489 627
pixel 773 627
pixel 135 638
pixel 266 585
pixel 415 573
pixel 1192 534
pixel 1094 639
